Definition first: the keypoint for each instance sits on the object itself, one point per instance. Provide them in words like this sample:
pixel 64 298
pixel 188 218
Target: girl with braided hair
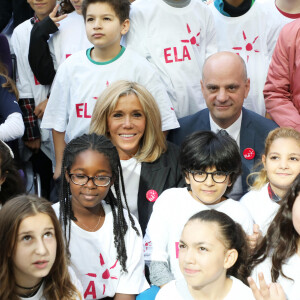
pixel 104 241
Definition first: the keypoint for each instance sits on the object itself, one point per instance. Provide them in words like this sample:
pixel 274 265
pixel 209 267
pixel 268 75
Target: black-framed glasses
pixel 81 179
pixel 217 176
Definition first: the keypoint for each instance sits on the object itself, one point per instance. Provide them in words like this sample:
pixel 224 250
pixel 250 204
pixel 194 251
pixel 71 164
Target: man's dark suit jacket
pixel 254 130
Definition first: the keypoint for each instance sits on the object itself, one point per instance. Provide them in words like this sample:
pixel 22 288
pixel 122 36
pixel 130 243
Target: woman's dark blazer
pixel 162 174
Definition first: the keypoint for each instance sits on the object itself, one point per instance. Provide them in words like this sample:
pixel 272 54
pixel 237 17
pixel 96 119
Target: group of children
pixel 194 255
pixel 199 244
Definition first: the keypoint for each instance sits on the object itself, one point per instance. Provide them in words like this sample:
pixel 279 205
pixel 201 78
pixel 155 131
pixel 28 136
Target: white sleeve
pixel 151 79
pixel 57 110
pixel 134 281
pixel 22 81
pixel 75 281
pixel 211 35
pixel 157 232
pixel 12 128
pixel 135 38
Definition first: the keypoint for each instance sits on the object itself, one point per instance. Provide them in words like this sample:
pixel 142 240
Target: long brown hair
pixel 281 240
pixel 9 83
pixel 58 285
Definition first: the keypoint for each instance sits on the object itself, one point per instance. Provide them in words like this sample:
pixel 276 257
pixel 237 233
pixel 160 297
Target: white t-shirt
pixel 94 259
pixel 28 86
pixel 70 39
pixel 290 269
pixel 74 279
pixel 253 37
pixel 261 207
pixel 178 290
pixel 171 211
pixel 176 41
pixel 131 169
pixel 79 81
pixel 278 19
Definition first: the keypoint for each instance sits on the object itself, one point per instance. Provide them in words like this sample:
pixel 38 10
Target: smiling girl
pixel 281 165
pixel 103 239
pixel 213 255
pixel 33 262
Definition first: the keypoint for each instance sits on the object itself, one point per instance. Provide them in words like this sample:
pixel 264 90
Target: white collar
pixel 233 130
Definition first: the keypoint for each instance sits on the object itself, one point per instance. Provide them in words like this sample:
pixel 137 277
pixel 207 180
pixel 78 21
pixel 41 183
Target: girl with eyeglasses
pixel 210 164
pixel 103 239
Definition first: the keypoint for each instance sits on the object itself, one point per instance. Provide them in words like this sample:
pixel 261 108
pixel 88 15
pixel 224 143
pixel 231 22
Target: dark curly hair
pixel 282 238
pixel 102 145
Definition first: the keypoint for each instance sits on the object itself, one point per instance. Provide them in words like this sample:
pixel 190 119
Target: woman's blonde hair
pixel 153 143
pixel 261 177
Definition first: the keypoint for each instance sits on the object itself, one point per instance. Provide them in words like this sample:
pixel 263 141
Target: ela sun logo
pixel 91 289
pixel 248 47
pixel 193 39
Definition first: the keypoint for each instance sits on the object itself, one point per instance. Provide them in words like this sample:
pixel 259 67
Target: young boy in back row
pixel 84 75
pixel 33 99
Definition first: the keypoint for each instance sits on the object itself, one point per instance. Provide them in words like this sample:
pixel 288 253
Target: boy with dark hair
pixel 33 98
pixel 84 75
pixel 210 164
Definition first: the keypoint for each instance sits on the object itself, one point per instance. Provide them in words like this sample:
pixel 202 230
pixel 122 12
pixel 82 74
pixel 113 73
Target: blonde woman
pixel 128 114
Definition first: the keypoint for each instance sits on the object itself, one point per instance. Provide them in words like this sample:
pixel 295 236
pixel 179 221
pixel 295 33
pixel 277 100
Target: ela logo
pixel 178 54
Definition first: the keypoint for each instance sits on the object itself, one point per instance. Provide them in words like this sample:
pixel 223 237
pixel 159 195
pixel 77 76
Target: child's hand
pixel 53 17
pixel 272 292
pixel 40 109
pixel 254 238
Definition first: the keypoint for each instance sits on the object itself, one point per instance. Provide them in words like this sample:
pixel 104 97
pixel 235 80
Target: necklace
pixel 32 289
pixel 87 227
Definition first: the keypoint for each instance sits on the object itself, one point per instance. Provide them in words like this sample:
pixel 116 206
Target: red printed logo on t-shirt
pixel 248 46
pixel 36 81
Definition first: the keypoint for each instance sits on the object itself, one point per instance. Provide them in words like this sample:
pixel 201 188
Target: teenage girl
pixel 33 260
pixel 278 254
pixel 103 239
pixel 213 255
pixel 281 165
pixel 11 183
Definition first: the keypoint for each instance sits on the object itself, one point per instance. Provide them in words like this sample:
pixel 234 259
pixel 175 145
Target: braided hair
pixel 104 146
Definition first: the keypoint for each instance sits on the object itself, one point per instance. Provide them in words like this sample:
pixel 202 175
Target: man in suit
pixel 224 86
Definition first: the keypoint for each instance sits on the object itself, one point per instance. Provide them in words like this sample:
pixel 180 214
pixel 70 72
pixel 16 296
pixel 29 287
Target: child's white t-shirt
pixel 261 207
pixel 252 36
pixel 70 39
pixel 94 259
pixel 178 290
pixel 28 86
pixel 79 82
pixel 171 211
pixel 290 268
pixel 74 279
pixel 176 41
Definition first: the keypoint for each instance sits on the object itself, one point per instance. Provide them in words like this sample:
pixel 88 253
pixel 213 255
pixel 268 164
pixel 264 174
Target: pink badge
pixel 151 195
pixel 249 153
